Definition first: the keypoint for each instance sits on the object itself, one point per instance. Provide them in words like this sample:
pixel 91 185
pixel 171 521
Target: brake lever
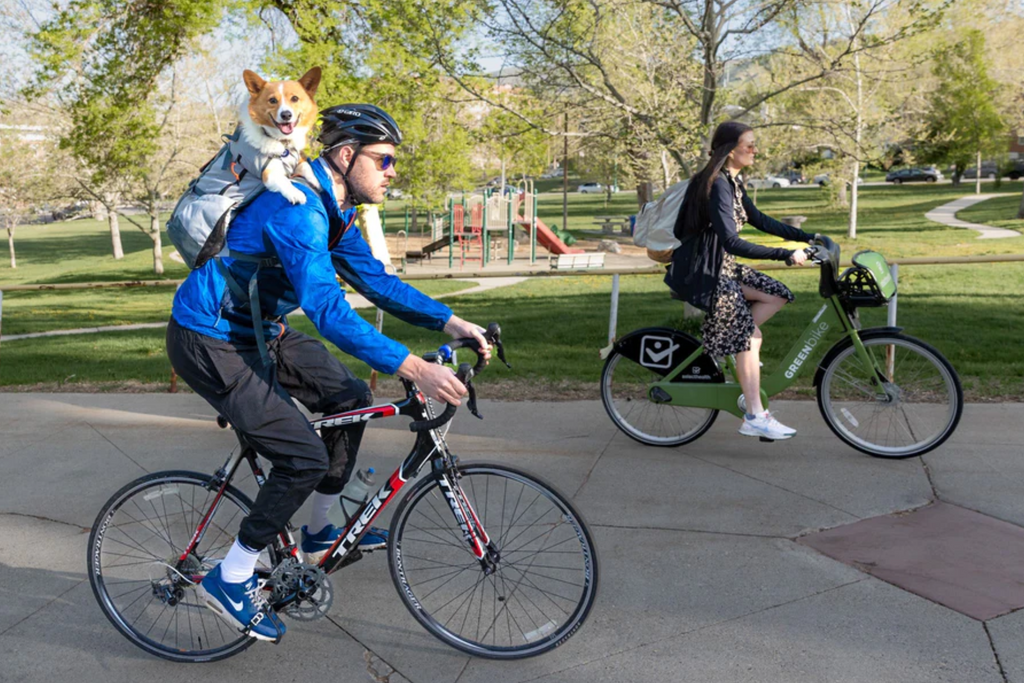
pixel 501 353
pixel 471 404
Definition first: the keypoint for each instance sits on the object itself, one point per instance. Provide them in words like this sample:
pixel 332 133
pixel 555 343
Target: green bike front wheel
pixel 906 402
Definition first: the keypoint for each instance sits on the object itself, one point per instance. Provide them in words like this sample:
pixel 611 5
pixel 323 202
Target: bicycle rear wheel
pixel 916 406
pixel 138 577
pixel 543 585
pixel 624 386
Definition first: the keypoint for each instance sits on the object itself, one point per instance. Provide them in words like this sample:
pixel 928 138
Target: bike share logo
pixel 809 344
pixel 656 352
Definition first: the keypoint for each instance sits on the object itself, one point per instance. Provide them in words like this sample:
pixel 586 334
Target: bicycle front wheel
pixel 624 387
pixel 543 583
pixel 910 409
pixel 139 578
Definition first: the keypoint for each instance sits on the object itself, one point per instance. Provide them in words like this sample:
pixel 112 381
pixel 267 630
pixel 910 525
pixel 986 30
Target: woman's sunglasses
pixel 383 161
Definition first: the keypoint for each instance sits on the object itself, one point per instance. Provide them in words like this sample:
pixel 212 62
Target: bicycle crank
pixel 301 591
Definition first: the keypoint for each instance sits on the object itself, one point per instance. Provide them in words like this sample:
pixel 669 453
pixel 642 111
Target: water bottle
pixel 352 497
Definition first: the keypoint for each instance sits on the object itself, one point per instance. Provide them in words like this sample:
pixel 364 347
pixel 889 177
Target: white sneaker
pixel 766 427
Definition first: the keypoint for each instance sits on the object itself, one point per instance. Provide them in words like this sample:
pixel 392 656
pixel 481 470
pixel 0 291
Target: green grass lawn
pixel 554 327
pixel 891 219
pixel 1000 212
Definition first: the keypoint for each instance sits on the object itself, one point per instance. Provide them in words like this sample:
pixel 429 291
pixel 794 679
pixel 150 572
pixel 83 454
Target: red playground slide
pixel 548 239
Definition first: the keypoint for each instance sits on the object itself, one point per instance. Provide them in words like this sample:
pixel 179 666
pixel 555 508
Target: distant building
pixel 1017 146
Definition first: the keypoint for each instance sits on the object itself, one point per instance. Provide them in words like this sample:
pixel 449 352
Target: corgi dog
pixel 276 121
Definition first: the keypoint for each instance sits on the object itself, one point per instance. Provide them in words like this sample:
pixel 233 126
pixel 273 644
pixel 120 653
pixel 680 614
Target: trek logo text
pixel 372 508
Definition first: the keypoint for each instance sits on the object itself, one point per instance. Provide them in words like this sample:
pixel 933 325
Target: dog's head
pixel 285 109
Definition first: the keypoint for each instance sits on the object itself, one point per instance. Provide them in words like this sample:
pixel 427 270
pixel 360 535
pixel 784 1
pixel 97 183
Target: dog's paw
pixel 293 194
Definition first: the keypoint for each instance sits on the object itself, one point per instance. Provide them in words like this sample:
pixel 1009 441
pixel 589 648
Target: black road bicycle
pixel 490 559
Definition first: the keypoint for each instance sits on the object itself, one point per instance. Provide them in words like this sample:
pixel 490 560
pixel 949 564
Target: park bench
pixel 578 261
pixel 609 223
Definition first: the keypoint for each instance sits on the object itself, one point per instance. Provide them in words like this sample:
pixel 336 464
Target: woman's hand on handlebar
pixel 436 381
pixel 797 258
pixel 458 328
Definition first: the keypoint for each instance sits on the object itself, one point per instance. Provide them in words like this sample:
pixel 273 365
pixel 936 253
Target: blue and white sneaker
pixel 242 605
pixel 766 427
pixel 314 546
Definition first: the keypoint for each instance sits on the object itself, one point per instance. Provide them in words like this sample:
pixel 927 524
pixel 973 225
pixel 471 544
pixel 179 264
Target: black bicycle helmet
pixel 365 124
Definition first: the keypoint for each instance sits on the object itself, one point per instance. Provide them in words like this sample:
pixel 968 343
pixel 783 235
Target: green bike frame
pixel 831 318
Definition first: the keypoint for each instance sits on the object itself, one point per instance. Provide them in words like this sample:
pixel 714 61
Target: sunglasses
pixel 383 161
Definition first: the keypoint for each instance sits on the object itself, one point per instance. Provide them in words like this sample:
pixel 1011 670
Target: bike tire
pixel 425 539
pixel 624 384
pixel 143 524
pixel 858 414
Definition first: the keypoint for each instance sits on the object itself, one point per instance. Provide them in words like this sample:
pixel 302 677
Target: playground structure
pixel 477 225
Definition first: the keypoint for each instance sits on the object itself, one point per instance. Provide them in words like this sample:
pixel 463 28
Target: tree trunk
pixel 665 171
pixel 10 245
pixel 154 234
pixel 115 235
pixel 851 231
pixel 109 203
pixel 1020 210
pixel 977 175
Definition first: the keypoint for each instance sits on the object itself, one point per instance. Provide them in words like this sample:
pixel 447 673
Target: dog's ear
pixel 253 82
pixel 310 81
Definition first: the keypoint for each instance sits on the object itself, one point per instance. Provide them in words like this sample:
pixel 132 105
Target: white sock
pixel 239 564
pixel 321 503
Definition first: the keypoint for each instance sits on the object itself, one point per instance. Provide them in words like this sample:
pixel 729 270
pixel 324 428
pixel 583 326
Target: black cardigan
pixel 697 262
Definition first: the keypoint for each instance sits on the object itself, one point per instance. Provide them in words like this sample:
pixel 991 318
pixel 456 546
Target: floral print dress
pixel 729 325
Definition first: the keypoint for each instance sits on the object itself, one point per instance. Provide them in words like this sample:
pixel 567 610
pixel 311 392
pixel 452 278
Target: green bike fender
pixel 846 342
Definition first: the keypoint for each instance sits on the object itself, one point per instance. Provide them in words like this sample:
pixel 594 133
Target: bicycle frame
pixel 429 445
pixel 830 318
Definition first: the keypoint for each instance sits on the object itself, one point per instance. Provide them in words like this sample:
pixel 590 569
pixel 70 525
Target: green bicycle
pixel 882 392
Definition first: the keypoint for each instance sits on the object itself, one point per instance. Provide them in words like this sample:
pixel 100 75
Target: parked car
pixel 768 181
pixel 794 176
pixel 393 193
pixel 989 169
pixel 928 174
pixel 552 173
pixel 1015 170
pixel 590 188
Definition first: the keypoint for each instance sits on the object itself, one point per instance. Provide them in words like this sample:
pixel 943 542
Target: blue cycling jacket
pixel 298 236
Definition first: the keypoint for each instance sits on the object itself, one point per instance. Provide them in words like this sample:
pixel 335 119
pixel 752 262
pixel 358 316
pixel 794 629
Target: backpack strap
pixel 251 292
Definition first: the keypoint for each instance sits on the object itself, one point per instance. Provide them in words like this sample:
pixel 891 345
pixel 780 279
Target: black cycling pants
pixel 257 400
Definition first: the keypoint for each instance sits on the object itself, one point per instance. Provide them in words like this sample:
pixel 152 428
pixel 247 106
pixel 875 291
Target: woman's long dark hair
pixel 694 217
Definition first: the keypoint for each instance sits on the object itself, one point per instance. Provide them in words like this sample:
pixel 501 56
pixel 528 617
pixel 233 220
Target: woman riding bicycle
pixel 736 298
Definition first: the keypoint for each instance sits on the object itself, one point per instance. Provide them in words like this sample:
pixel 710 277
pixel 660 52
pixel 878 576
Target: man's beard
pixel 358 194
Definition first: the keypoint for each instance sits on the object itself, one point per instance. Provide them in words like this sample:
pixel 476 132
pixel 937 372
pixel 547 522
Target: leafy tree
pixel 105 61
pixel 374 52
pixel 864 99
pixel 964 122
pixel 22 175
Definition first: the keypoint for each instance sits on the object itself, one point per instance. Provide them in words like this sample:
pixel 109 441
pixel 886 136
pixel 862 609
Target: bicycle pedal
pixel 765 439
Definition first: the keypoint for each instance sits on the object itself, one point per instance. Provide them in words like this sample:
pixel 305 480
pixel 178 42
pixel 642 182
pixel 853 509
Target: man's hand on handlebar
pixel 436 381
pixel 458 328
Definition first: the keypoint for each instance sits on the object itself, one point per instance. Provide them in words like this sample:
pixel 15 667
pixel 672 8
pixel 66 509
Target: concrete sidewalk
pixel 701 576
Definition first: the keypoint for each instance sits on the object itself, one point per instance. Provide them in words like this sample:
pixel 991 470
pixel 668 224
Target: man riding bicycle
pixel 250 376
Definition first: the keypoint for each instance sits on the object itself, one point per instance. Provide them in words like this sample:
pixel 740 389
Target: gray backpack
pixel 199 224
pixel 227 183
